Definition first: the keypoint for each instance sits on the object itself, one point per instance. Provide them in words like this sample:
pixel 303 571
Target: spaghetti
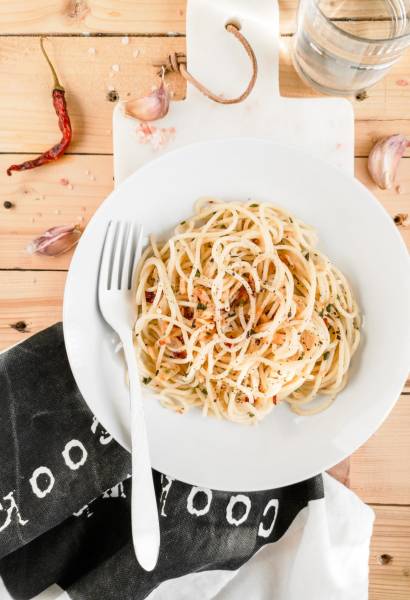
pixel 239 311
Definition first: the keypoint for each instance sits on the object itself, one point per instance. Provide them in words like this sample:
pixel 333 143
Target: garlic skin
pixel 384 159
pixel 149 108
pixel 55 241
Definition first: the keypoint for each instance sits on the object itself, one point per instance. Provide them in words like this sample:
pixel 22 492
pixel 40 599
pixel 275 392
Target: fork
pixel 121 251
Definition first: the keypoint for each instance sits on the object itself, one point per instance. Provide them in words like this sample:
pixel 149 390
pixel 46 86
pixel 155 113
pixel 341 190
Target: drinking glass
pixel 345 46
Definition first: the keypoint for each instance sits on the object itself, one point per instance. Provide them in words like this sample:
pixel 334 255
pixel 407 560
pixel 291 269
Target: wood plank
pixel 376 473
pixel 31 126
pixel 27 119
pixel 368 132
pixel 31 299
pixel 390 554
pixel 81 16
pixel 40 201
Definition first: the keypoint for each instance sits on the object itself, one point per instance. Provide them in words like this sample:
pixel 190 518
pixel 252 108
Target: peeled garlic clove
pixel 56 240
pixel 384 159
pixel 150 108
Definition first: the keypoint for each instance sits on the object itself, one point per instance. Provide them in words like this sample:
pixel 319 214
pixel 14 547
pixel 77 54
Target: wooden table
pixel 87 40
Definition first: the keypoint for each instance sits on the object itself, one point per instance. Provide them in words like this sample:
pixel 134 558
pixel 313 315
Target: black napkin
pixel 65 495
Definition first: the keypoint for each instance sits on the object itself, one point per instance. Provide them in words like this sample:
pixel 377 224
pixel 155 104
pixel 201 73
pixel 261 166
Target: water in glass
pixel 345 46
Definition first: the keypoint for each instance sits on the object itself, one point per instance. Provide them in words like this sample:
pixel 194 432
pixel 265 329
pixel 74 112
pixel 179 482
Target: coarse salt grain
pixel 91 51
pixel 125 40
pixel 136 53
pixel 115 68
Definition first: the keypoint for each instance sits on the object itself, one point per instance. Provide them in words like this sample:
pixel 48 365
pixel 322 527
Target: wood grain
pixel 390 554
pixel 82 16
pixel 30 298
pixel 377 474
pixel 31 126
pixel 40 201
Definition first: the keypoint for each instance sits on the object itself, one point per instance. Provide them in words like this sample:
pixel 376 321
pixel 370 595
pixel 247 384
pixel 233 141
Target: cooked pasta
pixel 239 311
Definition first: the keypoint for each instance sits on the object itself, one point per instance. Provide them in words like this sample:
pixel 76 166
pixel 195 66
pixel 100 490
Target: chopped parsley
pixel 289 314
pixel 223 226
pixel 326 355
pixel 253 205
pixel 201 306
pixel 322 312
pixel 250 332
pixel 307 255
pixel 157 372
pixel 183 222
pixel 146 380
pixel 232 314
pixel 197 273
pixel 290 220
pixel 204 391
pixel 329 307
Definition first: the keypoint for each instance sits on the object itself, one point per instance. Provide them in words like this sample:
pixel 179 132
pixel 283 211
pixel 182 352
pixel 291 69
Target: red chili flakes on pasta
pixel 149 297
pixel 181 354
pixel 274 400
pixel 188 313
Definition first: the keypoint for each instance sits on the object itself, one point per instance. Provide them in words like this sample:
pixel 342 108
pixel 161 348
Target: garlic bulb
pixel 151 107
pixel 384 159
pixel 56 240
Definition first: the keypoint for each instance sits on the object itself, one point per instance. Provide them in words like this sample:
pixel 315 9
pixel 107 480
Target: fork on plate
pixel 121 251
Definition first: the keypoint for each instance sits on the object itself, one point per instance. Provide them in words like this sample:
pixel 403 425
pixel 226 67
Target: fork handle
pixel 144 511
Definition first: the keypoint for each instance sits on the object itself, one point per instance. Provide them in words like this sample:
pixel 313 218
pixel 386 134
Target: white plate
pixel 355 232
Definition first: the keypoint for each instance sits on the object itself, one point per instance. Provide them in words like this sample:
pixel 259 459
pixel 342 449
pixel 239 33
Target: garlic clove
pixel 149 108
pixel 56 240
pixel 384 159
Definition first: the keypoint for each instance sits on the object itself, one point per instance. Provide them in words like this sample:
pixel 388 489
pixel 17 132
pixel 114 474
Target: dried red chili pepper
pixel 60 106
